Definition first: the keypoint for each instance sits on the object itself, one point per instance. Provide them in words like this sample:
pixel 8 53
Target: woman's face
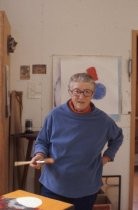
pixel 81 94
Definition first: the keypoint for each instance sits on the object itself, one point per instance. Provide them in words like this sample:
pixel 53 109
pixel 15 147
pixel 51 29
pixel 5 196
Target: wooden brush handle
pixel 21 163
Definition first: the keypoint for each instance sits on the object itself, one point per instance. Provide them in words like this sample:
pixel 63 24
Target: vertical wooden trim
pixel 133 114
pixel 4 122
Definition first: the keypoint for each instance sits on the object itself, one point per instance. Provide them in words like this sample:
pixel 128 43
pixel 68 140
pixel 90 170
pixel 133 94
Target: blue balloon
pixel 100 91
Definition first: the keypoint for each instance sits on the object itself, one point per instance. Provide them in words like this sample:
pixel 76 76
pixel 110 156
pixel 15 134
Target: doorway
pixel 134 117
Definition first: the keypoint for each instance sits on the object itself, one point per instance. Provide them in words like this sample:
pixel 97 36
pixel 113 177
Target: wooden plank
pixel 4 122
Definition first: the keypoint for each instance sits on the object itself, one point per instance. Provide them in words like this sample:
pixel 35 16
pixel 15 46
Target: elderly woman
pixel 71 141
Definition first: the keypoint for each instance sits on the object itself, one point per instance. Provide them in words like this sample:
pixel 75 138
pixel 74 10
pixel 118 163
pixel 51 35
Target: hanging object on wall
pixel 129 68
pixel 24 72
pixel 100 68
pixel 11 44
pixel 7 91
pixel 39 69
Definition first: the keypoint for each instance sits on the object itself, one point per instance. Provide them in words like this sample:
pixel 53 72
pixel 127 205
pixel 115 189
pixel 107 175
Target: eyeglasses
pixel 77 92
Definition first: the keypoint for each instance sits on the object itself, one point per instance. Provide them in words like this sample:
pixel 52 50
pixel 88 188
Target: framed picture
pixel 24 72
pixel 106 73
pixel 39 69
pixel 111 189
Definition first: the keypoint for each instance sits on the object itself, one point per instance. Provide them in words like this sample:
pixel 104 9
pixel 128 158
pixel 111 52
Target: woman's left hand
pixel 105 159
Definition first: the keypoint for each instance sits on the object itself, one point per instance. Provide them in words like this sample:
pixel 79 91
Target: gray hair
pixel 81 77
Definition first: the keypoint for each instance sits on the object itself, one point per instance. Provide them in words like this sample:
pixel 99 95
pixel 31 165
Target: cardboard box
pixel 102 203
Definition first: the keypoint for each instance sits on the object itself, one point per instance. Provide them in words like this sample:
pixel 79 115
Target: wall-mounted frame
pixel 24 72
pixel 39 69
pixel 112 190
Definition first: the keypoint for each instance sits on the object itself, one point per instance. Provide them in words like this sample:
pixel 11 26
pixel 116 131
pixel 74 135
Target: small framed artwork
pixel 24 72
pixel 39 69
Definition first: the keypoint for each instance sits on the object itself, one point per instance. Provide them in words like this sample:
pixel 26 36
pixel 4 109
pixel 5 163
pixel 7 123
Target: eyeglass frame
pixel 81 91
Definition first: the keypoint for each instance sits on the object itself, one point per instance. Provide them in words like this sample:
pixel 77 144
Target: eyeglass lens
pixel 77 92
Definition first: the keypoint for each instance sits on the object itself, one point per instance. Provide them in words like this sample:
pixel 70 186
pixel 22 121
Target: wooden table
pixel 47 203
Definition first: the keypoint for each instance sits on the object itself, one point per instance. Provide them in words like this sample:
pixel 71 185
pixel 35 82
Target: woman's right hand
pixel 40 157
pixel 34 160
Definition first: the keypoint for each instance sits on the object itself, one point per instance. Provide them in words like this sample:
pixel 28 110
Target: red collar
pixel 71 106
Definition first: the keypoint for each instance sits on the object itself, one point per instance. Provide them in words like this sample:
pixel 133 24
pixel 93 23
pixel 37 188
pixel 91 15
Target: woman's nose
pixel 81 95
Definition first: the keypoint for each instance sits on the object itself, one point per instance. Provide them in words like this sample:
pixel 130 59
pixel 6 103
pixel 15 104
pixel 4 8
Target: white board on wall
pixel 108 69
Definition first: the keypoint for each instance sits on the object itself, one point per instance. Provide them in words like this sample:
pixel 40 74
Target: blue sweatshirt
pixel 76 142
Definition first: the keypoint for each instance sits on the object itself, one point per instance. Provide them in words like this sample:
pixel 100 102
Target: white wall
pixel 44 28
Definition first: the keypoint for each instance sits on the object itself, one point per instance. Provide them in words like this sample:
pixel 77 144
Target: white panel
pixel 107 68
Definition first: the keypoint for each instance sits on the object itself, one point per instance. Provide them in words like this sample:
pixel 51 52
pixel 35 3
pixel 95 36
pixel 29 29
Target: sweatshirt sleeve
pixel 43 139
pixel 115 139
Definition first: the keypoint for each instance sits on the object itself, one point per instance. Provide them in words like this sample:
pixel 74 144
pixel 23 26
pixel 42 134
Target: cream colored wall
pixel 44 28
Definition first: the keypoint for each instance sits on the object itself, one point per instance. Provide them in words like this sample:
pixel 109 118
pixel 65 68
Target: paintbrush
pixel 21 163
